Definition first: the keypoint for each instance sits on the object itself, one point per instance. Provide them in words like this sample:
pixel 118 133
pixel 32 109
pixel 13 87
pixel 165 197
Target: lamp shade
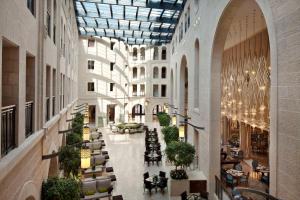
pixel 85 154
pixel 86 133
pixel 174 120
pixel 86 119
pixel 181 130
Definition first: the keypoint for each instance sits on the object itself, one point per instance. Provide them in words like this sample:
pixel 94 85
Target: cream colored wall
pixel 22 169
pixel 281 19
pixel 121 75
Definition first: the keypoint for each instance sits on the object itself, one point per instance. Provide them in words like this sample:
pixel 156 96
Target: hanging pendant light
pixel 182 130
pixel 86 133
pixel 174 120
pixel 86 118
pixel 85 154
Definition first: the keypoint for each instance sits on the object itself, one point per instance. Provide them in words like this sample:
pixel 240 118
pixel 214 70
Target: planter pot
pixel 178 186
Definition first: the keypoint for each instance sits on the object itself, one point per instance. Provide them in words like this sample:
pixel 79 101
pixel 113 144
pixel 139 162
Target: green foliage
pixel 69 158
pixel 163 118
pixel 73 138
pixel 178 174
pixel 171 133
pixel 77 123
pixel 180 153
pixel 60 189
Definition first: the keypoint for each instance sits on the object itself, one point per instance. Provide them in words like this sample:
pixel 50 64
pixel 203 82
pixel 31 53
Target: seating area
pixel 155 182
pixel 152 153
pixel 97 181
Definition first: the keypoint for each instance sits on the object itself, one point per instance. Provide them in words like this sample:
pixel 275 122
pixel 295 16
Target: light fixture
pixel 85 155
pixel 181 130
pixel 146 103
pixel 86 133
pixel 174 120
pixel 166 108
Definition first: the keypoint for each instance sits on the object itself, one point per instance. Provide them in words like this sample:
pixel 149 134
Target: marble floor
pixel 127 158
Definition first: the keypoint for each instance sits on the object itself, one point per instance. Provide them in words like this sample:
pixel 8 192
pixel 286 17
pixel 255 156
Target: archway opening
pixel 138 113
pixel 156 109
pixel 184 88
pixel 240 97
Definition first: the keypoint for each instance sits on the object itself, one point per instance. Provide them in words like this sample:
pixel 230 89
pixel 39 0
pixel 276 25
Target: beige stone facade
pixel 44 63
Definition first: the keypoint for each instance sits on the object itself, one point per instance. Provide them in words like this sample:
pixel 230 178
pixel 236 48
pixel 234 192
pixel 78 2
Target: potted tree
pixel 181 154
pixel 170 134
pixel 69 159
pixel 164 119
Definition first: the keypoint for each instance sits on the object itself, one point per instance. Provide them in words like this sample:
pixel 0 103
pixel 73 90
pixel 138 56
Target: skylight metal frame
pixel 132 21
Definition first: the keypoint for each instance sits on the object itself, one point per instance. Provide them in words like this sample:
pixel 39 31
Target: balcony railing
pixel 53 105
pixel 8 129
pixel 28 118
pixel 47 108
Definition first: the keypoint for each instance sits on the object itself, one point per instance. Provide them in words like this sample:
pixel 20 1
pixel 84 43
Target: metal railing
pixel 221 190
pixel 47 108
pixel 53 105
pixel 28 118
pixel 8 129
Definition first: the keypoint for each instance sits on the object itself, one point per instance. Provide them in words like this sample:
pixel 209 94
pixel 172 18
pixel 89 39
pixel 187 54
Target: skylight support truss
pixel 132 21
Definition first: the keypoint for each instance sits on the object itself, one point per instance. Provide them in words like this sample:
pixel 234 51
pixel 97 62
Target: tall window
pixel 155 91
pixel 112 45
pixel 91 86
pixel 111 87
pixel 163 72
pixel 91 42
pixel 163 90
pixel 196 74
pixel 134 90
pixel 189 17
pixel 155 72
pixel 49 17
pixel 185 21
pixel 142 53
pixel 134 54
pixel 112 66
pixel 134 73
pixel 142 90
pixel 155 53
pixel 164 53
pixel 54 21
pixel 30 6
pixel 142 72
pixel 91 64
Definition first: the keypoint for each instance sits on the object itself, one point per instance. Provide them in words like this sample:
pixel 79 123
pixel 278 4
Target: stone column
pixel 22 96
pixel 243 137
pixel 0 86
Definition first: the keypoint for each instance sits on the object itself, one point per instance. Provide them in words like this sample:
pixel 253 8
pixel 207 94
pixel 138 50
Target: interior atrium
pixel 150 99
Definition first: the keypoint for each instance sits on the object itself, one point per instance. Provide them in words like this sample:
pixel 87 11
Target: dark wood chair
pixel 162 174
pixel 149 186
pixel 163 183
pixel 183 195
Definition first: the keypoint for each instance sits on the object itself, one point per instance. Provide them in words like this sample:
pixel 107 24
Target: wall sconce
pixel 146 102
pixel 174 120
pixel 86 133
pixel 85 155
pixel 166 108
pixel 182 130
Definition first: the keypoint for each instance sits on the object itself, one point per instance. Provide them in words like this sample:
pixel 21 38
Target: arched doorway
pixel 137 113
pixel 156 109
pixel 240 88
pixel 184 104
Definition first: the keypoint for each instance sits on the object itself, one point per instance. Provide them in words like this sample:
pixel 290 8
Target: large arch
pixel 29 191
pixel 222 29
pixel 138 111
pixel 183 90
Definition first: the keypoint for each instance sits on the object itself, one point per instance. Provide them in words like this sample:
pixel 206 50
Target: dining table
pixel 236 174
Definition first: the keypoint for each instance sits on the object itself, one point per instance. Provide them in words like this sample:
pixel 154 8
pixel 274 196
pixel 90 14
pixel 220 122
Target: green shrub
pixel 73 138
pixel 164 119
pixel 77 124
pixel 60 189
pixel 178 174
pixel 180 154
pixel 69 159
pixel 170 133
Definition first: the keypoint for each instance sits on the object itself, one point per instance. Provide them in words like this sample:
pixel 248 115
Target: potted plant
pixel 163 118
pixel 170 134
pixel 69 159
pixel 181 154
pixel 60 189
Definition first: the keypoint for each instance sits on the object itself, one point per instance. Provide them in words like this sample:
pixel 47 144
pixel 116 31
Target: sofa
pixel 96 188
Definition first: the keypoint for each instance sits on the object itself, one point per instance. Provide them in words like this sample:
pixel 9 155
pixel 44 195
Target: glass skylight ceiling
pixel 132 21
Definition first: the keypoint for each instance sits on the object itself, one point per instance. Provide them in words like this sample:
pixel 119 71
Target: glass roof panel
pixel 134 21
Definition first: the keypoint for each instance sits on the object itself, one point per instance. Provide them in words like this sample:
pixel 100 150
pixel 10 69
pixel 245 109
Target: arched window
pixel 164 53
pixel 142 53
pixel 163 72
pixel 134 72
pixel 155 72
pixel 196 74
pixel 142 72
pixel 155 53
pixel 134 54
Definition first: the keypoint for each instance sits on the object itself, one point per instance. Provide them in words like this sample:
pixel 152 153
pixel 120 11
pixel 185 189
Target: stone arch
pixel 222 28
pixel 29 191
